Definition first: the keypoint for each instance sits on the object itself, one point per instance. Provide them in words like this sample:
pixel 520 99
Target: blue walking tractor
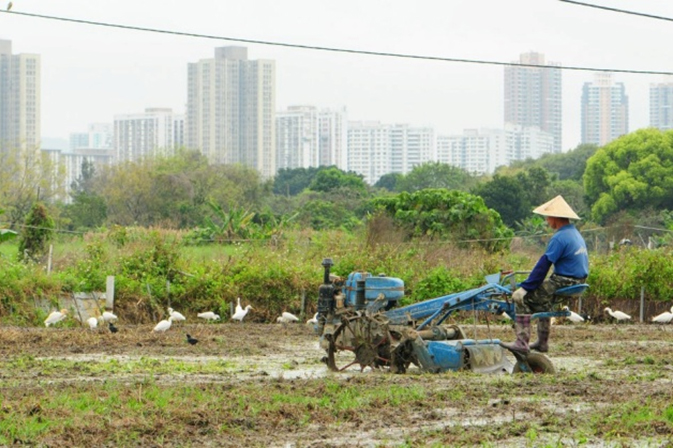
pixel 361 325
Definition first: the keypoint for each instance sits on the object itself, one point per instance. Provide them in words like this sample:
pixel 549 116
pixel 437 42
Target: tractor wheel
pixel 359 341
pixel 538 363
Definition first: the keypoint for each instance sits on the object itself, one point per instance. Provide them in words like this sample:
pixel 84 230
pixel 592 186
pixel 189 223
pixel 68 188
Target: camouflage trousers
pixel 543 299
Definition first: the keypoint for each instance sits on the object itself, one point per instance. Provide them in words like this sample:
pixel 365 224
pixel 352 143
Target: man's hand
pixel 518 295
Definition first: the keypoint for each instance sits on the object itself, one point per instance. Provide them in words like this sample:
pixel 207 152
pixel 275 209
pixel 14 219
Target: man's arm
pixel 538 274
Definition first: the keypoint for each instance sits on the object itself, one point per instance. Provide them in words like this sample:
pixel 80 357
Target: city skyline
pixel 115 71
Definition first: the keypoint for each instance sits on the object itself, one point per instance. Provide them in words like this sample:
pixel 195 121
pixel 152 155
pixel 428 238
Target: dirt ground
pixel 604 373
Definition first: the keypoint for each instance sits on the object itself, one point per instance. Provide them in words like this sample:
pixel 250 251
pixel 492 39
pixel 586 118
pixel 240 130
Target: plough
pixel 361 326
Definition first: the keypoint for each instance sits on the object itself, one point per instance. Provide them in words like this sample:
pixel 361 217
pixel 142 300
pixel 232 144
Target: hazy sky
pixel 89 73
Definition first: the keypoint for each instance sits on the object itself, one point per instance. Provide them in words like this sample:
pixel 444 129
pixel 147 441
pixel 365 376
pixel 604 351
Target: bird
pixel 208 315
pixel 619 315
pixel 287 318
pixel 313 320
pixel 113 329
pixel 163 325
pixel 239 315
pixel 663 318
pixel 9 6
pixel 93 322
pixel 55 317
pixel 191 340
pixel 109 317
pixel 238 305
pixel 176 315
pixel 574 317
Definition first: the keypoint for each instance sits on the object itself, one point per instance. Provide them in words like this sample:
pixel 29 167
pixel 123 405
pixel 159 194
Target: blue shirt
pixel 567 251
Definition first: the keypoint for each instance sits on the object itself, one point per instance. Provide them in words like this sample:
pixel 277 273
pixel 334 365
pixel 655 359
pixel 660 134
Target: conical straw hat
pixel 557 207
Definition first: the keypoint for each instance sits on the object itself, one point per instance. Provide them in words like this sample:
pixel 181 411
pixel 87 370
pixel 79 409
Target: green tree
pixel 292 181
pixel 389 181
pixel 566 165
pixel 27 176
pixel 505 195
pixel 446 214
pixel 332 179
pixel 634 172
pixel 435 175
pixel 87 209
pixel 37 232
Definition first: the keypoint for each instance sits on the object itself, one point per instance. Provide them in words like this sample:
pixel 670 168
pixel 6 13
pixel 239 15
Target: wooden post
pixel 231 308
pixel 110 292
pixel 51 253
pixel 642 303
pixel 303 304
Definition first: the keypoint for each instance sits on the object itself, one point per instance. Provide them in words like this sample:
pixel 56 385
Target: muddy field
pixel 265 385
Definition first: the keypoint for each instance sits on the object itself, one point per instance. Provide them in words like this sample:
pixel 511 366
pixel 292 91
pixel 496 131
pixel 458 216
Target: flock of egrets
pixel 173 316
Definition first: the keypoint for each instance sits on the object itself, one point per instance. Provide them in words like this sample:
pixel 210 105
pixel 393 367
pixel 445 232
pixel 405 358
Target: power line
pixel 335 49
pixel 623 11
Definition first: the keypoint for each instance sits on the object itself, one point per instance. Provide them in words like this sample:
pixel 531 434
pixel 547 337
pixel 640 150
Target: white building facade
pixel 661 105
pixel 20 99
pixel 481 151
pixel 605 110
pixel 156 132
pixel 231 107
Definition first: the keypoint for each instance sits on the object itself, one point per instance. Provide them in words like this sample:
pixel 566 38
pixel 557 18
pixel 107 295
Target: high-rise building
pixel 333 134
pixel 99 136
pixel 297 137
pixel 533 96
pixel 156 132
pixel 481 151
pixel 369 149
pixel 411 146
pixel 231 106
pixel 661 105
pixel 375 149
pixel 605 110
pixel 19 99
pixel 308 137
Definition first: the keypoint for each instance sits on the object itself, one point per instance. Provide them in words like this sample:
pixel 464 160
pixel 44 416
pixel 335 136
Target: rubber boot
pixel 522 331
pixel 542 343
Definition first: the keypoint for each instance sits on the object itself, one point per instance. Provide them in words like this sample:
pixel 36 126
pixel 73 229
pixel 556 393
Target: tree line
pixel 630 178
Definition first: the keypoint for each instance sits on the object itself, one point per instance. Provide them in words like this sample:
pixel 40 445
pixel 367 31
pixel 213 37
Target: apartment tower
pixel 605 110
pixel 533 96
pixel 231 104
pixel 19 99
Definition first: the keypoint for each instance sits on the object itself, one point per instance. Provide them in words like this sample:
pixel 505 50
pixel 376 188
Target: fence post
pixel 642 303
pixel 110 292
pixel 303 304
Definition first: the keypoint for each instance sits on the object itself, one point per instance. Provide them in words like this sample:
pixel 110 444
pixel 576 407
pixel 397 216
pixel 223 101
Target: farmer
pixel 567 252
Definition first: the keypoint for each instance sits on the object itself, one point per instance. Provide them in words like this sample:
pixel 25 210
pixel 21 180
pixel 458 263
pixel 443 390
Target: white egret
pixel 163 325
pixel 239 315
pixel 55 317
pixel 287 318
pixel 239 308
pixel 574 317
pixel 663 318
pixel 109 317
pixel 93 322
pixel 313 320
pixel 176 315
pixel 619 315
pixel 208 315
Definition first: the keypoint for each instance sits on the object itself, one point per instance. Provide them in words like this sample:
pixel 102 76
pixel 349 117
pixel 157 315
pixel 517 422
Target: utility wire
pixel 335 49
pixel 623 11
